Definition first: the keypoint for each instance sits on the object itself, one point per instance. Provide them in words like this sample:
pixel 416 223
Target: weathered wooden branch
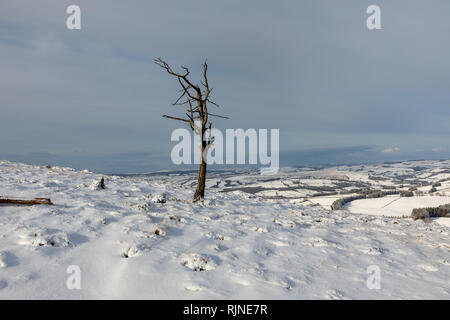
pixel 176 118
pixel 216 115
pixel 36 201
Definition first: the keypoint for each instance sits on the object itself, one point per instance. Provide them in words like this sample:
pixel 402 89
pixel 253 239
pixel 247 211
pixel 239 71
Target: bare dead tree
pixel 195 99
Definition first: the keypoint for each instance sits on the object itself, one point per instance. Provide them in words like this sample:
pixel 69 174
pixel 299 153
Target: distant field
pixel 394 206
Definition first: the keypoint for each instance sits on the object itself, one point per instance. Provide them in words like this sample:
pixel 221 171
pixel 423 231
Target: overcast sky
pixel 337 91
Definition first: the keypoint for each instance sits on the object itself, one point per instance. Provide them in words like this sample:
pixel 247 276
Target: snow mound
pixel 197 262
pixel 130 252
pixel 159 198
pixel 50 238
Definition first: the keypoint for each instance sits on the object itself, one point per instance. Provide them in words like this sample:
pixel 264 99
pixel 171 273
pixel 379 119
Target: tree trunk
pixel 200 191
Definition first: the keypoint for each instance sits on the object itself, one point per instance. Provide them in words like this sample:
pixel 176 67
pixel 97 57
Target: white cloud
pixel 391 150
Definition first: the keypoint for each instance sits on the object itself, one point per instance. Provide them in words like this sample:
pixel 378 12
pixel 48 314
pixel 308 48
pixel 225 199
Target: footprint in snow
pixel 8 259
pixel 3 284
pixel 443 261
pixel 263 252
pixel 220 247
pixel 288 283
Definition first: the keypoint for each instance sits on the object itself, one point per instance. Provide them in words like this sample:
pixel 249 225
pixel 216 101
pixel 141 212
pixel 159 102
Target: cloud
pixel 391 150
pixel 309 68
pixel 437 149
pixel 317 156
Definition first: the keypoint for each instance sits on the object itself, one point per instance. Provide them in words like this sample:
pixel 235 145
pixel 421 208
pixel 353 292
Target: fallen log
pixel 35 201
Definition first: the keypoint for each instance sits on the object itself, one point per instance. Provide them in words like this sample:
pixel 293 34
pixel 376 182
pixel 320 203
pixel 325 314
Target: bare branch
pixel 205 81
pixel 205 70
pixel 218 116
pixel 175 118
pixel 179 98
pixel 160 62
pixel 186 90
pixel 213 103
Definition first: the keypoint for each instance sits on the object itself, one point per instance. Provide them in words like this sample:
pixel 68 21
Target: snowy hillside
pixel 254 237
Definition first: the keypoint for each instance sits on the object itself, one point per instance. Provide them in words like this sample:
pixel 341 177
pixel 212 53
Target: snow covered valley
pixel 253 237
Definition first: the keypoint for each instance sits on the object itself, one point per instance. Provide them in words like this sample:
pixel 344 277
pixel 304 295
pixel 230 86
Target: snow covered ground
pixel 395 206
pixel 254 237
